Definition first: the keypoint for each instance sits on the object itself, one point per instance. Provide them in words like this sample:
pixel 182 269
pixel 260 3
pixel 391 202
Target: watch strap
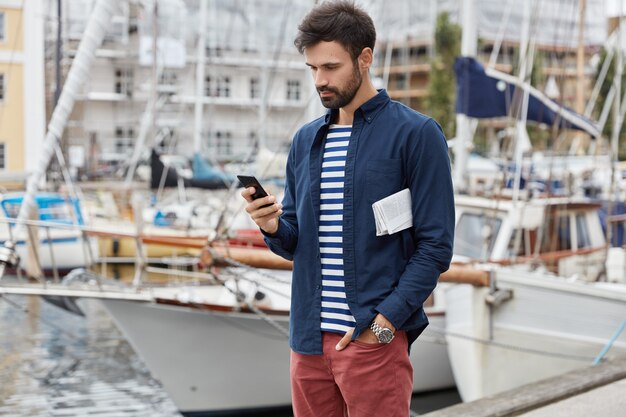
pixel 383 334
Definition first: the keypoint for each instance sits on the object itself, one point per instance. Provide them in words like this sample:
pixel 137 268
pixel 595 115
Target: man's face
pixel 337 77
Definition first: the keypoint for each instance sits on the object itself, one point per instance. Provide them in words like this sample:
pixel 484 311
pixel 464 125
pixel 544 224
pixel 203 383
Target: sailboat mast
pixel 265 80
pixel 617 121
pixel 155 70
pixel 148 119
pixel 579 104
pixel 525 69
pixel 617 86
pixel 201 53
pixel 580 58
pixel 463 126
pixel 57 56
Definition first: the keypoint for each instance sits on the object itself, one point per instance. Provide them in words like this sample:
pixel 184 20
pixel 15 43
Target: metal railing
pixel 234 270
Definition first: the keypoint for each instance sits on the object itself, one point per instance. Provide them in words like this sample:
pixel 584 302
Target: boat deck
pixel 82 291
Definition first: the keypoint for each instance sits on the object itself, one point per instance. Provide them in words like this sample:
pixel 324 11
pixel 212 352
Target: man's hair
pixel 341 21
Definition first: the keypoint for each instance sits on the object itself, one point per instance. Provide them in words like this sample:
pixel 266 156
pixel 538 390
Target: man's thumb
pixel 345 341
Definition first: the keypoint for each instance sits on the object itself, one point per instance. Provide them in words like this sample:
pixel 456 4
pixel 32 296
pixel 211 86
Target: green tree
pixel 441 82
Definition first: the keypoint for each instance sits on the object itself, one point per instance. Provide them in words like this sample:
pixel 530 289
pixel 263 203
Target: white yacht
pixel 547 307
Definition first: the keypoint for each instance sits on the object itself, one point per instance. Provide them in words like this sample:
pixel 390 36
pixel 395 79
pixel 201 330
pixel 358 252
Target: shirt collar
pixel 368 110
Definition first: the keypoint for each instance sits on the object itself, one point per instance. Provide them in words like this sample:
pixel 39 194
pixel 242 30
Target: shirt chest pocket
pixel 383 177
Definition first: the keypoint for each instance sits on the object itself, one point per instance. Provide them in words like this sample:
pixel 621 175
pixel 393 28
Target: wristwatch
pixel 384 334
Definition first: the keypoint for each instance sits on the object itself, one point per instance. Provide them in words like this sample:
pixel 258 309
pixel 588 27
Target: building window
pixel 582 232
pixel 212 51
pixel 168 78
pixel 293 90
pixel 208 86
pixel 2 27
pixel 557 236
pixel 217 86
pixel 3 155
pixel 400 82
pixel 2 87
pixel 418 52
pixel 223 143
pixel 255 88
pixel 223 87
pixel 253 142
pixel 124 81
pixel 124 139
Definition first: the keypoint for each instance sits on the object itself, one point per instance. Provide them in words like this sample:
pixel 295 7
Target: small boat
pixel 59 245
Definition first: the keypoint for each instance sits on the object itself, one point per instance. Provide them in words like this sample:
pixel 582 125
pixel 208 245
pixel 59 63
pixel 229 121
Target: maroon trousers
pixel 363 380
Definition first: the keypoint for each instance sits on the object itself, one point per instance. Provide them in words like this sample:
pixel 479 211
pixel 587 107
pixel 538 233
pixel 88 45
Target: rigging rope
pixel 508 346
pixel 262 315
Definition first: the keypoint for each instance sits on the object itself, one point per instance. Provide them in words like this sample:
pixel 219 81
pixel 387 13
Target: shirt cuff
pixel 395 309
pixel 278 237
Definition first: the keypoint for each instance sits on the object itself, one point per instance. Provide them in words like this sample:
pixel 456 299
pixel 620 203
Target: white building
pixel 255 89
pixel 253 85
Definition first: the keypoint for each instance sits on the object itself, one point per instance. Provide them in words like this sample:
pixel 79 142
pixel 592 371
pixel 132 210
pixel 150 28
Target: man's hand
pixel 368 335
pixel 267 217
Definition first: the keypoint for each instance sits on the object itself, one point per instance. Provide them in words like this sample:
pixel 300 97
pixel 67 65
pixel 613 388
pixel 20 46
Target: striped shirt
pixel 335 316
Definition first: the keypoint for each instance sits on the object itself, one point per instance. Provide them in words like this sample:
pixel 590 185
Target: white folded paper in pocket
pixel 393 214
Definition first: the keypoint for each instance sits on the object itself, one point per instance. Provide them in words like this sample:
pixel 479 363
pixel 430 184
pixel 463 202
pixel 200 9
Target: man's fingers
pixel 345 340
pixel 247 193
pixel 264 217
pixel 255 205
pixel 273 210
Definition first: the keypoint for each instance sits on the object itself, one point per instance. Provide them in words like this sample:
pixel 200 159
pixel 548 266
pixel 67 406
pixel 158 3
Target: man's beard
pixel 344 97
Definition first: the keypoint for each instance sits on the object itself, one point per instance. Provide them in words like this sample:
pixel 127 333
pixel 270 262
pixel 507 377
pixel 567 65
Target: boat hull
pixel 548 327
pixel 60 252
pixel 211 361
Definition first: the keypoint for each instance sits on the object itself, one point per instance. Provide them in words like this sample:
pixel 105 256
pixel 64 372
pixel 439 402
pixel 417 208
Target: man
pixel 356 297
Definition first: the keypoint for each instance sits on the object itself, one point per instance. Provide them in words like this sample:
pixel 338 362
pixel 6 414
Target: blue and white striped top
pixel 336 316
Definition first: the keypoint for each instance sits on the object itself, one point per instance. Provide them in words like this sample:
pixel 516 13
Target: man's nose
pixel 320 80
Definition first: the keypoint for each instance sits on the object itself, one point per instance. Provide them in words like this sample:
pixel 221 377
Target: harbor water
pixel 54 363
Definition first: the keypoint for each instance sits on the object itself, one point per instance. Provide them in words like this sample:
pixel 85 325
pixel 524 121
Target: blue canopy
pixel 203 171
pixel 204 175
pixel 52 207
pixel 486 93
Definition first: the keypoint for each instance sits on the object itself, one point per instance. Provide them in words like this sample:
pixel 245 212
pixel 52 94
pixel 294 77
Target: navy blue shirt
pixel 392 147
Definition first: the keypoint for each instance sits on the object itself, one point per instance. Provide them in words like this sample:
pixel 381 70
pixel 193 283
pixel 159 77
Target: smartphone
pixel 250 181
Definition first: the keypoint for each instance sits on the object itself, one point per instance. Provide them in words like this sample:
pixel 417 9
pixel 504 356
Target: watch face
pixel 385 336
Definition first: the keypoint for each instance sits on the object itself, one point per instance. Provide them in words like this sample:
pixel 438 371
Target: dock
pixel 590 391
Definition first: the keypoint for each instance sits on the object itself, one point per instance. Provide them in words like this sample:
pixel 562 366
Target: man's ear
pixel 366 58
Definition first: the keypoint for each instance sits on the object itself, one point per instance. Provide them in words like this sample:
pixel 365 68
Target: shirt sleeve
pixel 430 181
pixel 285 240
